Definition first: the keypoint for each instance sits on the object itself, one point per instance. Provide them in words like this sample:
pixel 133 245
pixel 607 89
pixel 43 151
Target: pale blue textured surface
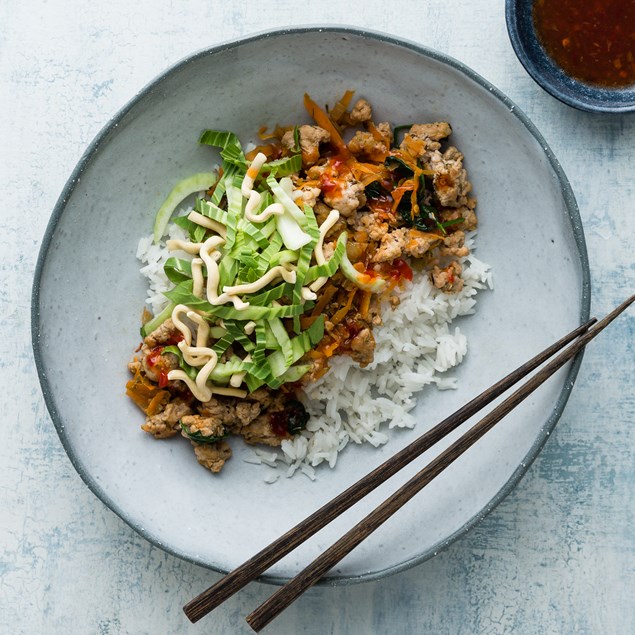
pixel 557 556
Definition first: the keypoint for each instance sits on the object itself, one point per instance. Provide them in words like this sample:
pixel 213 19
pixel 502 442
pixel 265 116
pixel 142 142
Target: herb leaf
pixel 297 416
pixel 397 130
pixel 375 190
pixel 296 139
pixel 399 167
pixel 200 438
pixel 428 216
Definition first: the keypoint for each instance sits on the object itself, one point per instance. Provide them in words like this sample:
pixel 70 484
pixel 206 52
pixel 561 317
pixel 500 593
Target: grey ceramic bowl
pixel 88 295
pixel 550 76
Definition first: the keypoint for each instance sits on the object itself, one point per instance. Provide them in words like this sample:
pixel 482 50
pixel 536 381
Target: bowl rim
pixel 526 54
pixel 111 126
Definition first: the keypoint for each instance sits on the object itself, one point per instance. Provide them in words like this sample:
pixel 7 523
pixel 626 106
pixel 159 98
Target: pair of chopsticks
pixel 255 566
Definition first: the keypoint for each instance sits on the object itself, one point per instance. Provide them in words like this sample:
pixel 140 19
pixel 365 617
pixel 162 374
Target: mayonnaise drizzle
pixel 205 372
pixel 209 223
pixel 252 173
pixel 195 355
pixel 237 378
pixel 192 354
pixel 307 294
pixel 210 256
pixel 250 327
pixel 197 277
pixel 190 248
pixel 183 328
pixel 201 395
pixel 205 393
pixel 202 330
pixel 270 276
pixel 255 198
pixel 230 392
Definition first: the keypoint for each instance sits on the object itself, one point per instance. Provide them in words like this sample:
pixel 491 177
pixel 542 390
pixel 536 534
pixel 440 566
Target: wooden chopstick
pixel 227 586
pixel 282 598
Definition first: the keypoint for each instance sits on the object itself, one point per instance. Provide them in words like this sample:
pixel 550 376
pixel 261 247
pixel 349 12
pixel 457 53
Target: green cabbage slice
pixel 191 185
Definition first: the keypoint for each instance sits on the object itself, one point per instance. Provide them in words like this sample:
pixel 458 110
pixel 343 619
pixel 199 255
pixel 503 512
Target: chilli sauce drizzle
pixel 591 40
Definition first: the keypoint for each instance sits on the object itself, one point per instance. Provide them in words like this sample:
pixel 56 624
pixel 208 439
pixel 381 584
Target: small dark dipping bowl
pixel 550 76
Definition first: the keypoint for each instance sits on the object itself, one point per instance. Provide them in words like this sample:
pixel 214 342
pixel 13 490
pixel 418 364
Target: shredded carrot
pixel 306 321
pixel 365 178
pixel 368 179
pixel 142 391
pixel 325 298
pixel 308 183
pixel 367 173
pixel 410 161
pixel 374 130
pixel 365 303
pixel 139 400
pixel 369 168
pixel 341 106
pixel 263 134
pixel 157 402
pixel 270 150
pixel 322 120
pixel 412 148
pixel 417 234
pixel 398 193
pixel 277 133
pixel 331 348
pixel 341 313
pixel 146 316
pixel 414 204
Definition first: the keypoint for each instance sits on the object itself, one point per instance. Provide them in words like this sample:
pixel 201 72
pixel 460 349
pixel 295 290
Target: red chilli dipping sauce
pixel 591 40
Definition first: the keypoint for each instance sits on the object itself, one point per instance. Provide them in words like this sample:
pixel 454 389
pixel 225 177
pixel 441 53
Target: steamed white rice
pixel 415 347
